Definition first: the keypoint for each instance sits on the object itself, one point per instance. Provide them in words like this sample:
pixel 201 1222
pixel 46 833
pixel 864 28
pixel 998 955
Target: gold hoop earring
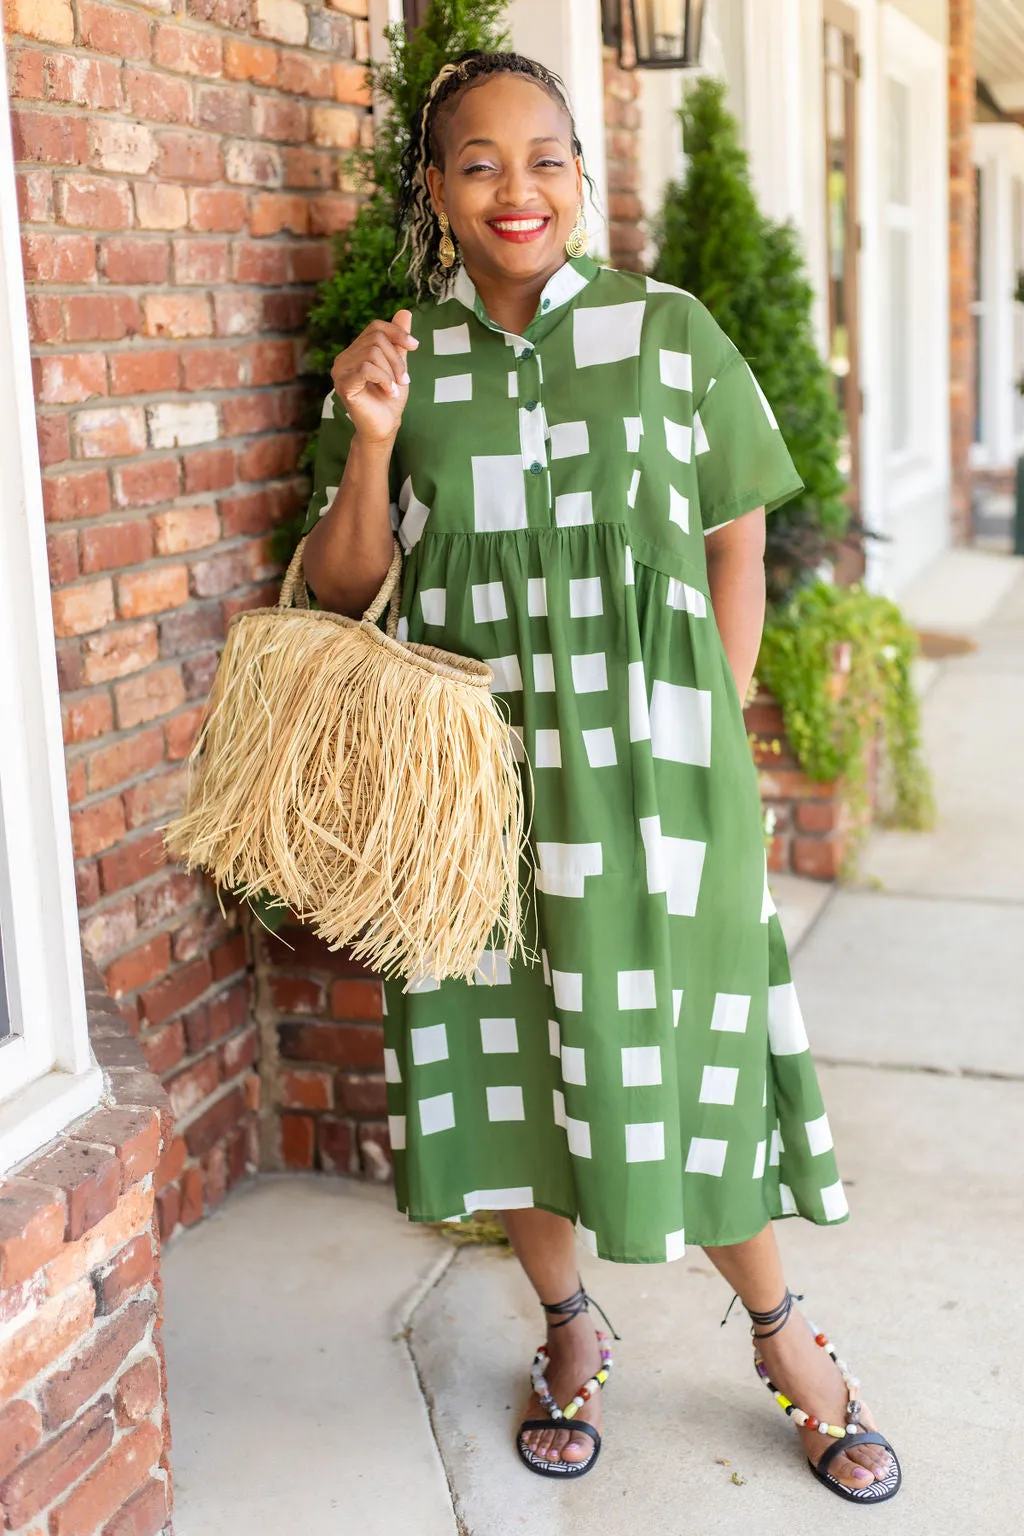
pixel 446 250
pixel 576 244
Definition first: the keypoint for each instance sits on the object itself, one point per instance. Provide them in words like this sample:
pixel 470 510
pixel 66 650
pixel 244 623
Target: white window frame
pixel 48 1075
pixel 999 157
pixel 918 62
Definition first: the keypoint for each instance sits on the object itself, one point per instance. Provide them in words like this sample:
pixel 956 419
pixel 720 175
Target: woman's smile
pixel 519 227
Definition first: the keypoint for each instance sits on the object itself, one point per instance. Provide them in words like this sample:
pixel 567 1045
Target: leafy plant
pixel 714 242
pixel 831 727
pixel 369 279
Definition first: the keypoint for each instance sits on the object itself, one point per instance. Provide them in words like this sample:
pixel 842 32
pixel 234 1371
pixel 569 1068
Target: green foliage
pixel 368 282
pixel 831 728
pixel 714 242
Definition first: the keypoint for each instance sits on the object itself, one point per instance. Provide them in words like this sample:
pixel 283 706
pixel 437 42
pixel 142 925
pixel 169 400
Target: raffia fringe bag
pixel 368 784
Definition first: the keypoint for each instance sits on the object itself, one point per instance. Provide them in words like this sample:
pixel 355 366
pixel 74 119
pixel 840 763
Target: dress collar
pixel 570 279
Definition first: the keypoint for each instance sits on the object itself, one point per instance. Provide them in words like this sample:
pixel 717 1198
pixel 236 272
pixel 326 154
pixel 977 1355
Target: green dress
pixel 650 1079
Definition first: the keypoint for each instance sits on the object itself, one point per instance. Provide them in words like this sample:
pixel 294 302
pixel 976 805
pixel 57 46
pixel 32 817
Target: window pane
pixel 899 142
pixel 899 339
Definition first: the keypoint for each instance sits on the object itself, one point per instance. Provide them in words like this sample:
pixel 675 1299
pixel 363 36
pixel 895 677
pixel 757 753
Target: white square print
pixel 498 1036
pixel 429 1044
pixel 600 747
pixel 637 989
pixel 585 598
pixel 437 1114
pixel 645 1142
pixel 547 749
pixel 731 1012
pixel 568 990
pixel 589 672
pixel 433 602
pixel 537 597
pixel 718 1085
pixel 607 333
pixel 681 724
pixel 706 1154
pixel 505 1103
pixel 641 1066
pixel 499 492
pixel 489 602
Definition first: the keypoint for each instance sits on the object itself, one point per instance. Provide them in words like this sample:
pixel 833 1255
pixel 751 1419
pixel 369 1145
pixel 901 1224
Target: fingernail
pixel 405 378
pixel 394 387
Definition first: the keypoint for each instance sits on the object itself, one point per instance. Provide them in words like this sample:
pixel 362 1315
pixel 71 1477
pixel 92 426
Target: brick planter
pixel 84 1433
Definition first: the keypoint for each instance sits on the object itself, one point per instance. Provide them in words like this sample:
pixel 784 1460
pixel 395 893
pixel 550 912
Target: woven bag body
pixel 368 784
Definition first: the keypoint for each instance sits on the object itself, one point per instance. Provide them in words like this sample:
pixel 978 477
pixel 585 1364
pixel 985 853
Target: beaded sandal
pixel 565 1311
pixel 876 1492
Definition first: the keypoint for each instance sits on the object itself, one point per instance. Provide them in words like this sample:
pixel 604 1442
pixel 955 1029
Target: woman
pixel 578 463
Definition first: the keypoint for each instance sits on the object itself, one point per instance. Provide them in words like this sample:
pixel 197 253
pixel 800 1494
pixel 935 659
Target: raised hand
pixel 371 377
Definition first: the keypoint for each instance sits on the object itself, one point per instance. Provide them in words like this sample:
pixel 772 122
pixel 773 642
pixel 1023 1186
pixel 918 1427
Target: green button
pixel 536 468
pixel 545 303
pixel 531 405
pixel 526 354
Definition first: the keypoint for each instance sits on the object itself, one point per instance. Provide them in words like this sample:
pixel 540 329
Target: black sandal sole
pixel 540 1464
pixel 878 1492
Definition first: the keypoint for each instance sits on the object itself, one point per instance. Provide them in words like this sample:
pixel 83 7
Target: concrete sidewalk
pixel 336 1370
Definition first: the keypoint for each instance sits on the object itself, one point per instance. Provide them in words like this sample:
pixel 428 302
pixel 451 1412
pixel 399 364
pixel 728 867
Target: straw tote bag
pixel 368 784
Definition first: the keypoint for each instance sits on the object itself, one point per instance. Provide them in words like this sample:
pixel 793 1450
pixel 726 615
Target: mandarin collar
pixel 563 286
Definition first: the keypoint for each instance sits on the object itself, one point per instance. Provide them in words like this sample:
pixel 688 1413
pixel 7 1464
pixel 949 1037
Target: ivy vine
pixel 831 720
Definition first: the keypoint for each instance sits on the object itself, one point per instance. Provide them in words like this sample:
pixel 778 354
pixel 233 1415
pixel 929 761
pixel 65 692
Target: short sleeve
pixel 741 459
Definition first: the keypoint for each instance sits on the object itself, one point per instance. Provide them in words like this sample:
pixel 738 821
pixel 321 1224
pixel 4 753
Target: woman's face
pixel 510 184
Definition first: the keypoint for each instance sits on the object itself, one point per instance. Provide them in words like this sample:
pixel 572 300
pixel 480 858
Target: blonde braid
pixel 418 233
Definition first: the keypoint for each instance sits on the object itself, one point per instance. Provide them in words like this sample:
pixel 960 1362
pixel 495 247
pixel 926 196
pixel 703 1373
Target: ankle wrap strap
pixel 774 1321
pixel 572 1307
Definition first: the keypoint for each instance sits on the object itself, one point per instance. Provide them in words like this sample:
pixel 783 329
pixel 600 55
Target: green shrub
pixel 714 242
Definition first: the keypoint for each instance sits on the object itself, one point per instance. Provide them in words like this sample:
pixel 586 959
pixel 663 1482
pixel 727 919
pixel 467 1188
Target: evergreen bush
pixel 714 241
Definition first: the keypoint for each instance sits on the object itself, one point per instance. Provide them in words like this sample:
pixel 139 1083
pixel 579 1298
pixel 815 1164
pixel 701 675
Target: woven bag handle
pixel 293 589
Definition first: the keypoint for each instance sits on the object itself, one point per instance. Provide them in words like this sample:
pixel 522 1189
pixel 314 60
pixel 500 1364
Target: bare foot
pixel 575 1356
pixel 803 1372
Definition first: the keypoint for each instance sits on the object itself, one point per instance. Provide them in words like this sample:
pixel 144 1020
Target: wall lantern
pixel 665 33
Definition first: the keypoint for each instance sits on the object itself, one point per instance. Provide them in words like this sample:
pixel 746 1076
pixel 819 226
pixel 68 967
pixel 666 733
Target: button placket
pixel 532 443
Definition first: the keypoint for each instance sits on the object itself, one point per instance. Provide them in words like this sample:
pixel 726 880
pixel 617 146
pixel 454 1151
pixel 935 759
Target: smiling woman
pixel 577 462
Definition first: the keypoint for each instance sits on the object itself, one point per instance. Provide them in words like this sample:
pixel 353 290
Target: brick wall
pixel 962 215
pixel 178 172
pixel 321 1058
pixel 84 1435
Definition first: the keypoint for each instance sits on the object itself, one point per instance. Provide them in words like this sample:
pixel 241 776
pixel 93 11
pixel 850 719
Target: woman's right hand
pixel 371 379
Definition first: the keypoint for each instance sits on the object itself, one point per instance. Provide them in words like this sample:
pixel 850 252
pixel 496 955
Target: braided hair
pixel 417 222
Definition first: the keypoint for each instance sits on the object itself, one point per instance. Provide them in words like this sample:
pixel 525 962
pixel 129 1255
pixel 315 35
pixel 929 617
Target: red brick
pixel 92 202
pixel 375 1156
pixel 86 718
pixel 112 432
pixel 138 1388
pixel 819 815
pixel 120 146
pixel 224 108
pixel 332 213
pixel 309 264
pixel 180 733
pixel 185 529
pixel 45 1476
pixel 157 798
pixel 143 1515
pixel 225 13
pixel 97 827
pixel 336 1145
pixel 132 862
pixel 167 897
pixel 156 99
pixel 792 784
pixel 295 994
pixel 126 259
pixel 87 885
pixel 245 414
pixel 305 1088
pixel 134 1134
pixel 90 1178
pixel 32 1223
pixel 168 1209
pixel 265 596
pixel 132 1268
pixel 140 967
pixel 336 1045
pixel 160 205
pixel 216 211
pixel 192 1197
pixel 49 137
pixel 308 168
pixel 188 1088
pixel 207 368
pixel 70 675
pixel 229 957
pixel 104 1491
pixel 220 573
pixel 173 994
pixel 140 373
pixel 54 439
pixel 277 118
pixel 215 1122
pixel 187 51
pixel 73 496
pixel 351 83
pixel 71 378
pixel 152 591
pixel 106 932
pixel 258 263
pixel 20 1433
pixel 82 81
pixel 250 513
pixel 203 262
pixel 198 673
pixel 298 1141
pixel 177 315
pixel 45 319
pixel 271 457
pixel 142 485
pixel 171 1164
pixel 116 652
pixel 187 629
pixel 67 1390
pixel 818 858
pixel 101 316
pixel 188 156
pixel 75 779
pixel 272 362
pixel 124 760
pixel 58 259
pixel 108 546
pixel 25 73
pixel 125 34
pixel 79 610
pixel 250 61
pixel 239 1054
pixel 237 314
pixel 62 555
pixel 357 1000
pixel 363 1094
pixel 210 469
